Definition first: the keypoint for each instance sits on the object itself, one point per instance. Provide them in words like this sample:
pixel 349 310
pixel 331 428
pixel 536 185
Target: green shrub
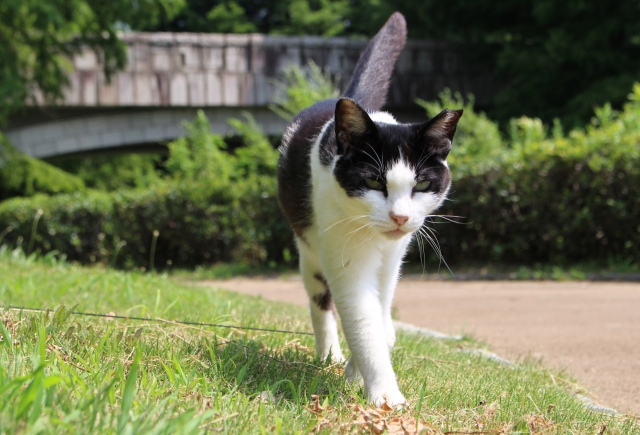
pixel 21 175
pixel 302 88
pixel 551 199
pixel 113 172
pixel 217 207
pixel 537 197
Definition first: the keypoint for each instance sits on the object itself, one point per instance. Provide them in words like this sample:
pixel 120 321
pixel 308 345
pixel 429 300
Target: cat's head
pixel 396 174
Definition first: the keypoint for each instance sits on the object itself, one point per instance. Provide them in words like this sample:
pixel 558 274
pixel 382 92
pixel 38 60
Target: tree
pixel 285 17
pixel 38 36
pixel 557 59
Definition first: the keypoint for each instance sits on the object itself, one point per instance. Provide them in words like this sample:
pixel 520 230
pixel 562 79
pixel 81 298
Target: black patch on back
pixel 328 146
pixel 294 166
pixel 324 300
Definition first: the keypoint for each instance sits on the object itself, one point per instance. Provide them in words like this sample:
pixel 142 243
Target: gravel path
pixel 590 329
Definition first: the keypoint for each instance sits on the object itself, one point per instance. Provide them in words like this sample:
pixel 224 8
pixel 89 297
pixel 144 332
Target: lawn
pixel 64 373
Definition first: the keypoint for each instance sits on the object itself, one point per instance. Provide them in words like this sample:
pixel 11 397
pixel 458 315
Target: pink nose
pixel 399 219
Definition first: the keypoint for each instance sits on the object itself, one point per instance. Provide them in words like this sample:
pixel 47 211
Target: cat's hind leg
pixel 323 318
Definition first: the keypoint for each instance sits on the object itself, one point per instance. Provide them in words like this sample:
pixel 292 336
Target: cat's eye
pixel 422 186
pixel 373 184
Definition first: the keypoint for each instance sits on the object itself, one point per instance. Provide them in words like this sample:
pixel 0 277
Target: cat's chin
pixel 395 234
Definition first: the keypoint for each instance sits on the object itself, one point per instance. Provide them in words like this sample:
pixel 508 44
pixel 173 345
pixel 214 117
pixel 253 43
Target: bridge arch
pixel 171 75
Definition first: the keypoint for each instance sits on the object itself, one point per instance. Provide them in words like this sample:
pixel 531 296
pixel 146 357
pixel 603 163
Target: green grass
pixel 63 373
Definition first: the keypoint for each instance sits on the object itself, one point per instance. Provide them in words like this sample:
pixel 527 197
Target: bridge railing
pixel 191 69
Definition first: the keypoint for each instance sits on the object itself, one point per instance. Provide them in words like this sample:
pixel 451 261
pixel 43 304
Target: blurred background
pixel 142 134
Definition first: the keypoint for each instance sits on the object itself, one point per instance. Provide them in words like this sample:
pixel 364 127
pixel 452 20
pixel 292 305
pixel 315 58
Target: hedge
pixel 193 226
pixel 538 197
pixel 215 207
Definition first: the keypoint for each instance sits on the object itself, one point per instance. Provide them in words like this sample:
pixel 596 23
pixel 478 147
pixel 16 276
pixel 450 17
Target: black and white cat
pixel 355 185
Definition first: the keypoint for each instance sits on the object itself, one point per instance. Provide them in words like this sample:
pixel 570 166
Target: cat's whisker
pixel 368 224
pixel 422 254
pixel 358 229
pixel 424 159
pixel 374 167
pixel 373 233
pixel 352 219
pixel 433 245
pixel 436 246
pixel 446 217
pixel 378 161
pixel 429 240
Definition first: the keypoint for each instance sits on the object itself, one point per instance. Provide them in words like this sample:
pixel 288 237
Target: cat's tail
pixel 370 80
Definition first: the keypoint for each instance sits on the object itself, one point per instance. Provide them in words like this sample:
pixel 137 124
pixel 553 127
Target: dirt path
pixel 591 329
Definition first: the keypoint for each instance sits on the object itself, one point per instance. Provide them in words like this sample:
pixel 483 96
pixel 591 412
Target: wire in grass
pixel 159 320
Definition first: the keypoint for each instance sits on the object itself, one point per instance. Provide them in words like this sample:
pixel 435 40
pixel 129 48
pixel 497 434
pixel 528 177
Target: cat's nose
pixel 399 219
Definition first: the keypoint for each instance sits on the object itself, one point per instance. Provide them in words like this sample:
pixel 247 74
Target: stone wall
pixel 198 70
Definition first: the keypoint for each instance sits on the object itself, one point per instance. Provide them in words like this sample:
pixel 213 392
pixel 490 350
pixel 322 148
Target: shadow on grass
pixel 290 372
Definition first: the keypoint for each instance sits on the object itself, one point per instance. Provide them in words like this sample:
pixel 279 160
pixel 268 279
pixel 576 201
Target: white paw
pixel 352 372
pixel 334 357
pixel 392 397
pixel 337 358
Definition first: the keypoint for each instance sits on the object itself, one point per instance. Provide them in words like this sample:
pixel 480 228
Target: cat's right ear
pixel 354 127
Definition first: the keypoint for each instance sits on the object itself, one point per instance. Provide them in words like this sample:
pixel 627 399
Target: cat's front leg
pixel 389 275
pixel 357 301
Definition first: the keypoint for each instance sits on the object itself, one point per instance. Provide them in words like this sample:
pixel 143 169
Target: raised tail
pixel 370 80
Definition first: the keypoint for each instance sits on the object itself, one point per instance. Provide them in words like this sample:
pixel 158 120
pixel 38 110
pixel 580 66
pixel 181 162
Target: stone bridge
pixel 171 75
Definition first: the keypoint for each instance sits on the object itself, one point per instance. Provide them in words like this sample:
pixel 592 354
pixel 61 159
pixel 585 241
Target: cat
pixel 355 185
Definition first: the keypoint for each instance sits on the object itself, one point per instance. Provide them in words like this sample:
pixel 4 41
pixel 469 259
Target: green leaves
pixel 301 88
pixel 548 197
pixel 37 37
pixel 21 175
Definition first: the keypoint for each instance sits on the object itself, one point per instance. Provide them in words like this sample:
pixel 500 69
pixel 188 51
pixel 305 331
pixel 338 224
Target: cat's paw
pixel 352 372
pixel 392 398
pixel 335 357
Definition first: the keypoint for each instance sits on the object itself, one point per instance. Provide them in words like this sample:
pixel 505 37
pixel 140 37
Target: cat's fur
pixel 348 177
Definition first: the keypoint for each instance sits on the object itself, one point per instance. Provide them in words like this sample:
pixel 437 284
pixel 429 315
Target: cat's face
pixel 393 174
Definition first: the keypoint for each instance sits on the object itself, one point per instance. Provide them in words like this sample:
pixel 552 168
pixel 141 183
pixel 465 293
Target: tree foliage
pixel 285 17
pixel 37 37
pixel 555 60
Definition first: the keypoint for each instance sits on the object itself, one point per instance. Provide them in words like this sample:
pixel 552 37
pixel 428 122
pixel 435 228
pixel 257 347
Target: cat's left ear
pixel 438 132
pixel 354 127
